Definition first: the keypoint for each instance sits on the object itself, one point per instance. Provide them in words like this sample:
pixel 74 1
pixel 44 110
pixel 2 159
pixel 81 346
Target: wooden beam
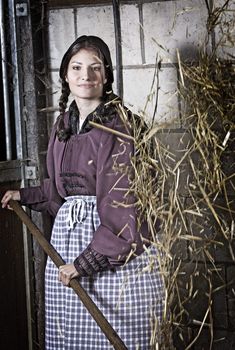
pixel 10 171
pixel 69 3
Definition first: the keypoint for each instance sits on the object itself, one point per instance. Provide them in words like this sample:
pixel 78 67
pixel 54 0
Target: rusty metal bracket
pixel 22 9
pixel 30 172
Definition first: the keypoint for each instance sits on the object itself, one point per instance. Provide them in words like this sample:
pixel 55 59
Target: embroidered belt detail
pixel 72 186
pixel 71 175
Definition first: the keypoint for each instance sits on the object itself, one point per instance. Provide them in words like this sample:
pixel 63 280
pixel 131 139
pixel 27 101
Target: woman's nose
pixel 86 74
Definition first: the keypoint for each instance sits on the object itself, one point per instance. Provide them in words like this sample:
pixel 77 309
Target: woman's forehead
pixel 86 55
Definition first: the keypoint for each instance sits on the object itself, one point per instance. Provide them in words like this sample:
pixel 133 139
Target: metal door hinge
pixel 22 9
pixel 30 172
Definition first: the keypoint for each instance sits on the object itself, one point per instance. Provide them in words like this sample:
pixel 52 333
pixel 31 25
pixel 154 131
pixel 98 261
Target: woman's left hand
pixel 66 273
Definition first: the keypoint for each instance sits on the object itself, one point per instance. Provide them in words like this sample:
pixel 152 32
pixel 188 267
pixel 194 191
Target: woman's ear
pixel 66 79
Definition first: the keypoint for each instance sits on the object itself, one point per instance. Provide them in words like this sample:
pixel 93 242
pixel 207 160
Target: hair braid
pixel 65 92
pixel 62 132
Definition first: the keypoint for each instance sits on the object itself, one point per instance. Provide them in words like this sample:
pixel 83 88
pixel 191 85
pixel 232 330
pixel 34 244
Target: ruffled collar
pixel 103 114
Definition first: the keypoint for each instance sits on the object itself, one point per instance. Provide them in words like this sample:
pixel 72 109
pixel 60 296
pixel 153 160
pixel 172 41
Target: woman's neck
pixel 85 107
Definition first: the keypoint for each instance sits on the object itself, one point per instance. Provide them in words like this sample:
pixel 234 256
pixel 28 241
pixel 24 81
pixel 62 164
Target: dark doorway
pixel 13 315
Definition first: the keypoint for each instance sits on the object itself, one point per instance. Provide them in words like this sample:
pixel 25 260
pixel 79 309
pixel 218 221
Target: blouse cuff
pixel 90 262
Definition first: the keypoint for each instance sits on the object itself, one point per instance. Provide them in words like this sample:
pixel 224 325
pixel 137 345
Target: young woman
pixel 95 229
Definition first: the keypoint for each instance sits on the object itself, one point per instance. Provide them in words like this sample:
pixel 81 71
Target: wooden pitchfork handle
pixel 58 261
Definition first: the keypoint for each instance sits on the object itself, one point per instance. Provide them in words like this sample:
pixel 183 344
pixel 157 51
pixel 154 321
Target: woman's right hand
pixel 15 194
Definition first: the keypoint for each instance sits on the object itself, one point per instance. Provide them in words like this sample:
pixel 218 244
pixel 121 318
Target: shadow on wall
pixel 189 53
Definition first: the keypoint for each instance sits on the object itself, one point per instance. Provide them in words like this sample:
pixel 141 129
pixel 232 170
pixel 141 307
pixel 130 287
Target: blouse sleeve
pixel 117 234
pixel 44 197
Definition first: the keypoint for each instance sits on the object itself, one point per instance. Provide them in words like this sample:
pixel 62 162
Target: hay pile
pixel 188 183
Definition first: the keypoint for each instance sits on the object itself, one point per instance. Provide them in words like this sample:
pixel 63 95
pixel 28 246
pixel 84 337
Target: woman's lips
pixel 86 86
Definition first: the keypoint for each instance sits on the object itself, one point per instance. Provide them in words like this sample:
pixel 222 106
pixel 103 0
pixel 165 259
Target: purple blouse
pixel 97 163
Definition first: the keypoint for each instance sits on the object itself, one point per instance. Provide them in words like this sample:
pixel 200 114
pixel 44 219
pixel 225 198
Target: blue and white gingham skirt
pixel 131 298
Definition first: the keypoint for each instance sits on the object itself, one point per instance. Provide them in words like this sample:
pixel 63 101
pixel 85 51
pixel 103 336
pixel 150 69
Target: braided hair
pixel 62 132
pixel 84 42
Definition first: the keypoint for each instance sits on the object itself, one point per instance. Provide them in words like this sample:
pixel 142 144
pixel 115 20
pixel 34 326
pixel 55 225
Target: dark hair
pixel 84 42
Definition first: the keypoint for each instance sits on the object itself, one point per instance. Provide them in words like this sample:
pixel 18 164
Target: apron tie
pixel 77 212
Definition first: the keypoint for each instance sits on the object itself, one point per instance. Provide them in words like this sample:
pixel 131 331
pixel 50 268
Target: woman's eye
pixel 76 67
pixel 97 68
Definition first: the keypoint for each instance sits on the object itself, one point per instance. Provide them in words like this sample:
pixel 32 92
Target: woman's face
pixel 86 75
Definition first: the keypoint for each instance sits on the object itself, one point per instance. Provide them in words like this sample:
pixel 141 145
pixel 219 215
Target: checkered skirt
pixel 131 298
